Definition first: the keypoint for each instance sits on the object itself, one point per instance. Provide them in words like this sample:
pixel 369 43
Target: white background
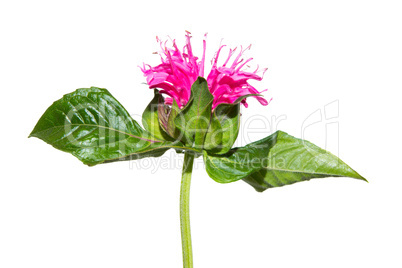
pixel 57 212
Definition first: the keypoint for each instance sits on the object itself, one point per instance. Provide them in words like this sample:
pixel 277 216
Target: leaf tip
pixel 357 176
pixel 31 135
pixel 363 179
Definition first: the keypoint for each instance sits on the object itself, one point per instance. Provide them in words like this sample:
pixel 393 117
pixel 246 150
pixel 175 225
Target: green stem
pixel 185 210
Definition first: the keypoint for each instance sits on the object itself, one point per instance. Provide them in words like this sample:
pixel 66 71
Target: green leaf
pixel 194 119
pixel 93 126
pixel 150 118
pixel 170 125
pixel 214 136
pixel 224 128
pixel 277 160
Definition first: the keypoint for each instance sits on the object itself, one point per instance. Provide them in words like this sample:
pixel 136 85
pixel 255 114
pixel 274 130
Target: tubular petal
pixel 179 70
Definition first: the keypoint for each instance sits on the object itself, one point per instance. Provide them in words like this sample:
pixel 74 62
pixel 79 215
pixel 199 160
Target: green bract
pixel 93 126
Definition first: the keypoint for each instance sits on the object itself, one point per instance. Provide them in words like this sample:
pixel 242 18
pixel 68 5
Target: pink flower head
pixel 179 70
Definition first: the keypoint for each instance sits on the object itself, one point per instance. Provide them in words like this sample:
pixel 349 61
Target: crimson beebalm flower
pixel 69 125
pixel 179 70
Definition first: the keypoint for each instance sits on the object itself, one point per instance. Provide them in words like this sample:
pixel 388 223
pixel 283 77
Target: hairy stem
pixel 185 210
